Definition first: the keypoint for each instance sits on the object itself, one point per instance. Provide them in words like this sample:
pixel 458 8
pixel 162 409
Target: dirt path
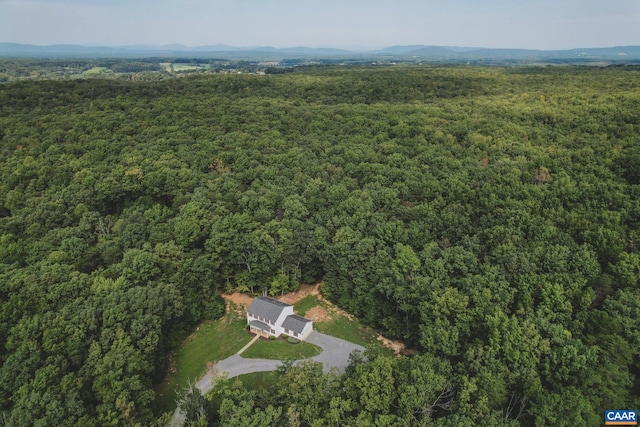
pixel 303 291
pixel 398 347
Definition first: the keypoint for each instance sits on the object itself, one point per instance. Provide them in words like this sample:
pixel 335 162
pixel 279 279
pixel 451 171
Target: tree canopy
pixel 488 217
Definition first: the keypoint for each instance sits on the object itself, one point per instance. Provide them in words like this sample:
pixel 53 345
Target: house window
pixel 286 331
pixel 273 332
pixel 295 334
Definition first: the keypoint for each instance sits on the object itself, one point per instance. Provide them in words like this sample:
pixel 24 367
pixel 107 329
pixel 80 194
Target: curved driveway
pixel 335 354
pixel 234 366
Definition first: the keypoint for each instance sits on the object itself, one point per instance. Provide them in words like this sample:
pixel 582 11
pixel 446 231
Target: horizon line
pixel 349 49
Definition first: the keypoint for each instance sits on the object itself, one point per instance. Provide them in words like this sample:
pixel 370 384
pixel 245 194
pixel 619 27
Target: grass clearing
pixel 216 340
pixel 95 71
pixel 307 303
pixel 212 341
pixel 186 67
pixel 259 381
pixel 332 321
pixel 281 350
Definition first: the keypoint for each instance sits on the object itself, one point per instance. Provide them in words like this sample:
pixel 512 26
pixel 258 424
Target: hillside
pixel 409 53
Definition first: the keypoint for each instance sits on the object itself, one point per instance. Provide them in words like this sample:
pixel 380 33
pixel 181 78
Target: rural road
pixel 335 354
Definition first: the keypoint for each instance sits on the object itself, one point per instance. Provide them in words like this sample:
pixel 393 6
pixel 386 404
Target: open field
pixel 178 67
pixel 95 71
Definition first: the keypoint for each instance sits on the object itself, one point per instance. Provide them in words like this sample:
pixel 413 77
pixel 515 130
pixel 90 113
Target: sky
pixel 351 24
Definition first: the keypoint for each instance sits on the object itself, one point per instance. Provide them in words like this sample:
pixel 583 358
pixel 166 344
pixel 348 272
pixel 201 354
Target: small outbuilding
pixel 270 317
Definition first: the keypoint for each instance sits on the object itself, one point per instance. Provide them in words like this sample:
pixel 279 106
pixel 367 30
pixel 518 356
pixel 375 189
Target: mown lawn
pixel 339 325
pixel 212 341
pixel 307 303
pixel 281 350
pixel 259 380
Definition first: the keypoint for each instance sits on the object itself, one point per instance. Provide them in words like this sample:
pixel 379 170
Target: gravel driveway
pixel 234 366
pixel 335 354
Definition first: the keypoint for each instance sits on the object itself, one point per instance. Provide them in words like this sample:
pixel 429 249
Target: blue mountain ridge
pixel 426 52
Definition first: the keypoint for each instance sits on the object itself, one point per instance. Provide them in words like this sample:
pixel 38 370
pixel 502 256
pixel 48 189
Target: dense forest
pixel 488 217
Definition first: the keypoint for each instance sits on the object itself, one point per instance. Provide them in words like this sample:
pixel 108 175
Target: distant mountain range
pixel 65 51
pixel 619 54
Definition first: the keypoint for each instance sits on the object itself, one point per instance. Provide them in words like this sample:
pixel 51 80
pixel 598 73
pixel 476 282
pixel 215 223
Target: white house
pixel 269 317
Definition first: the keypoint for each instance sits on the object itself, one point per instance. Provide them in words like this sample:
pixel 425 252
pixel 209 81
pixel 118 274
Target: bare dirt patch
pixel 290 298
pixel 211 369
pixel 397 346
pixel 334 310
pixel 238 299
pixel 303 291
pixel 317 314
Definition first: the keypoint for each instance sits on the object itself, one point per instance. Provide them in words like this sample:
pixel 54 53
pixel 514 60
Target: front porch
pixel 261 329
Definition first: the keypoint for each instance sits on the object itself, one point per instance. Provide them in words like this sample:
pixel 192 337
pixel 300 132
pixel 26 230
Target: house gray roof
pixel 295 323
pixel 267 308
pixel 260 325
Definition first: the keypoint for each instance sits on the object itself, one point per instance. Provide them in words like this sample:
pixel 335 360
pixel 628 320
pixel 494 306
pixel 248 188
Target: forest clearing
pixel 214 341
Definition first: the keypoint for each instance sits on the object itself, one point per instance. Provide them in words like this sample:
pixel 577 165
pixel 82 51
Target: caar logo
pixel 620 418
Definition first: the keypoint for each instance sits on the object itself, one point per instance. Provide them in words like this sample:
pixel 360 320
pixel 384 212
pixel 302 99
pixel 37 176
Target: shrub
pixel 271 337
pixel 284 336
